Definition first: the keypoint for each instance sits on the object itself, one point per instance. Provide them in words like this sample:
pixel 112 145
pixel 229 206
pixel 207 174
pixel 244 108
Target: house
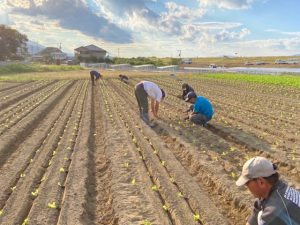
pixel 90 53
pixel 50 55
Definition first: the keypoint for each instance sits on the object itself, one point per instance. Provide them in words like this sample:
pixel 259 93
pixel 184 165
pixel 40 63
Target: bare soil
pixel 73 153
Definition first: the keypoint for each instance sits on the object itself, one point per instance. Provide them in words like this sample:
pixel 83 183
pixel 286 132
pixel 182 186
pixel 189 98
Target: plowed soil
pixel 72 153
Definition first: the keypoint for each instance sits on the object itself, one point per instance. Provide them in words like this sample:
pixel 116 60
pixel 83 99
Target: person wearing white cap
pixel 277 203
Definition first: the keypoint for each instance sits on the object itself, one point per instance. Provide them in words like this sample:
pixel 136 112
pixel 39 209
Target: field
pixel 73 153
pixel 240 62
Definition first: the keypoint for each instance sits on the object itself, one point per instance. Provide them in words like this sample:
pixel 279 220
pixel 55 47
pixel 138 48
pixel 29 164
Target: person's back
pixel 153 91
pixel 94 76
pixel 203 106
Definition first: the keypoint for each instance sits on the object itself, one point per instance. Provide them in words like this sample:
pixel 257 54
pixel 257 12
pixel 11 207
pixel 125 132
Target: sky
pixel 161 28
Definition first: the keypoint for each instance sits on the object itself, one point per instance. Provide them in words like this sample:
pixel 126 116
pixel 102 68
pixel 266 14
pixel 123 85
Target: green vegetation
pixel 283 80
pixel 26 68
pixel 26 72
pixel 147 60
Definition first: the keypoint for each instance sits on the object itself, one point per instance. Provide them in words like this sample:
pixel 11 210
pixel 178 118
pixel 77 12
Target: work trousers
pixel 142 99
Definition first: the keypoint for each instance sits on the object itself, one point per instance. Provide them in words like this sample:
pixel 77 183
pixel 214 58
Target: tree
pixel 12 43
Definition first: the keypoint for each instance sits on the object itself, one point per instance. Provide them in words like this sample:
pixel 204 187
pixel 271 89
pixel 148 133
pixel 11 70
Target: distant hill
pixel 34 47
pixel 297 55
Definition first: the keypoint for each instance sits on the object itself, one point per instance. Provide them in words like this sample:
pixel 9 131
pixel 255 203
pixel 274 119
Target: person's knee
pixel 197 119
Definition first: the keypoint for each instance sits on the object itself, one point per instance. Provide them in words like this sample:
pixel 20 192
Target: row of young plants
pixel 14 94
pixel 130 162
pixel 233 153
pixel 21 203
pixel 266 128
pixel 128 96
pixel 20 110
pixel 157 167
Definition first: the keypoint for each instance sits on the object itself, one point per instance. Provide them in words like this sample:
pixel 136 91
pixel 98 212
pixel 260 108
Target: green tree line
pixel 147 60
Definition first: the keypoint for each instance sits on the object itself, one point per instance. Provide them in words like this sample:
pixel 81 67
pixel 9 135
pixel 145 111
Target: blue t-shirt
pixel 203 106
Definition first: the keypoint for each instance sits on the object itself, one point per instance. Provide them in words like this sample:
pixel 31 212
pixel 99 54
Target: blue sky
pixel 132 28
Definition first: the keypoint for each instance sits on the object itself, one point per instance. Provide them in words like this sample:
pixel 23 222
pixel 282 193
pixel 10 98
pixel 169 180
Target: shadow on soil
pixel 232 136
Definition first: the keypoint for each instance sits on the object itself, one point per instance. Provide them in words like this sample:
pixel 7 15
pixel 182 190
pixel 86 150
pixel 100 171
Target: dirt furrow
pixel 51 190
pixel 38 157
pixel 129 176
pixel 11 139
pixel 193 194
pixel 17 112
pixel 23 93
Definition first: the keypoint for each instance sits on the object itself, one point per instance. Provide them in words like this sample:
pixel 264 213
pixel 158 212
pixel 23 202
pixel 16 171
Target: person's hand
pixel 155 115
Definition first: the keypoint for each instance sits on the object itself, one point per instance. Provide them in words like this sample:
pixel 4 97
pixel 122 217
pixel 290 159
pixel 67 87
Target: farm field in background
pixel 72 153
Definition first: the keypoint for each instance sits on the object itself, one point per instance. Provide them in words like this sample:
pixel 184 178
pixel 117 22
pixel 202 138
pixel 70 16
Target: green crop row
pixel 282 80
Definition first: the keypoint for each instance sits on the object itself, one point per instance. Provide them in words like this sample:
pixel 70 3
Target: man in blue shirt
pixel 202 110
pixel 94 76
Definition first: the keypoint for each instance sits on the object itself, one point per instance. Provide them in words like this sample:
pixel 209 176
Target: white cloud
pixel 225 35
pixel 75 16
pixel 175 11
pixel 284 32
pixel 226 4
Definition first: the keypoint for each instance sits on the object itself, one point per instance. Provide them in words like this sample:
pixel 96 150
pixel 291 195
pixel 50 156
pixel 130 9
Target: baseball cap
pixel 189 96
pixel 254 168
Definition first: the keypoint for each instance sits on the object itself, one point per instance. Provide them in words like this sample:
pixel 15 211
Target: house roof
pixel 92 48
pixel 49 50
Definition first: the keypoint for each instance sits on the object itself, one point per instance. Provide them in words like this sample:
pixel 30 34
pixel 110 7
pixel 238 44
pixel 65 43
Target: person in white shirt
pixel 143 90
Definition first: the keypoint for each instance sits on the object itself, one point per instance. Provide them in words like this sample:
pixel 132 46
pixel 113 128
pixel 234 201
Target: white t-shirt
pixel 152 90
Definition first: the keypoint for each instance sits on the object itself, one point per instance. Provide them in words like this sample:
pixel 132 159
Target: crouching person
pixel 202 109
pixel 124 78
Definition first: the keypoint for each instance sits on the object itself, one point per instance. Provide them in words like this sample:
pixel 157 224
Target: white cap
pixel 254 168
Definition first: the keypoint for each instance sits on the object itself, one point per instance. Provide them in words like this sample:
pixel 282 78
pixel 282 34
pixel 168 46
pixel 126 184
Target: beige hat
pixel 254 168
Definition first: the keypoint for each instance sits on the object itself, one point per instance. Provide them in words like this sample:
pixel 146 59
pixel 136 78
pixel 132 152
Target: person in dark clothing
pixel 124 78
pixel 276 203
pixel 185 90
pixel 94 76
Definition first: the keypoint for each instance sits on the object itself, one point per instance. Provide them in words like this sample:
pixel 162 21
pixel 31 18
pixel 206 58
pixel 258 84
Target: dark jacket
pixel 282 207
pixel 186 89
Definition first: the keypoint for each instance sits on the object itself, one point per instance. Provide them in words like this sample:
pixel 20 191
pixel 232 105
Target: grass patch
pixel 25 72
pixel 26 68
pixel 282 80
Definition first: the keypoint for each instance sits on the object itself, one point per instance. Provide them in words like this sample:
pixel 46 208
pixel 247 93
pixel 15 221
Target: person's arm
pixel 154 107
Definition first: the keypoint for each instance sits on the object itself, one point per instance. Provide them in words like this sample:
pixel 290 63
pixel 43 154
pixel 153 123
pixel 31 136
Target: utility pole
pixel 118 53
pixel 179 53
